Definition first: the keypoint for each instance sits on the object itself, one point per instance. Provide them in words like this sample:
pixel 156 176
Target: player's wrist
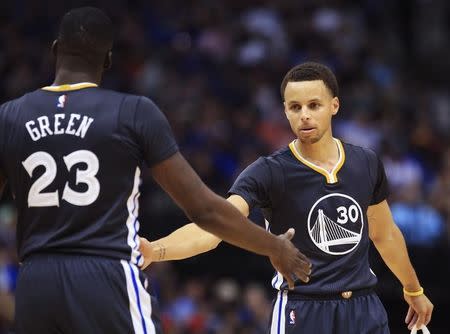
pixel 159 251
pixel 417 291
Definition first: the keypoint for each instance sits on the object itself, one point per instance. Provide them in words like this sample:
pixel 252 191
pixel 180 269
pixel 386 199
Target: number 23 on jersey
pixel 38 198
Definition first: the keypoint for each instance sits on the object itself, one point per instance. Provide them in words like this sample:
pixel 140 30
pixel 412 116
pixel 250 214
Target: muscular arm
pixel 390 243
pixel 210 212
pixel 219 217
pixel 187 241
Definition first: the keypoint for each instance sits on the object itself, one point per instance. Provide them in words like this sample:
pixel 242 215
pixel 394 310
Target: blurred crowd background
pixel 214 68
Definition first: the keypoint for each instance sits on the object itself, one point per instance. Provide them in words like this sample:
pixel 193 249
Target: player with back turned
pixel 73 153
pixel 334 194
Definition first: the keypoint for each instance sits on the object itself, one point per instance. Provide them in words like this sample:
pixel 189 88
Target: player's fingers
pixel 413 321
pixel 289 234
pixel 302 276
pixel 409 315
pixel 290 281
pixel 427 318
pixel 420 320
pixel 303 258
pixel 303 267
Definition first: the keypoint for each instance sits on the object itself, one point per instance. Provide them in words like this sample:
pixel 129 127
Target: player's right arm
pixel 187 241
pixel 219 217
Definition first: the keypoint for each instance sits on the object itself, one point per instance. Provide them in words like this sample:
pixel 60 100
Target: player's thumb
pixel 289 234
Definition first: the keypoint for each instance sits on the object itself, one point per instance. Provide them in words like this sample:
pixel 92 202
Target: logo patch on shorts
pixel 292 317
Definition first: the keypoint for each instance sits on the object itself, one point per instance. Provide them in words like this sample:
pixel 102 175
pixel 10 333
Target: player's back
pixel 73 155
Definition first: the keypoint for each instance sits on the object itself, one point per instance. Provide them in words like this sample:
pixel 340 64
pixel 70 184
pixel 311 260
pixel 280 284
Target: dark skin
pixel 210 211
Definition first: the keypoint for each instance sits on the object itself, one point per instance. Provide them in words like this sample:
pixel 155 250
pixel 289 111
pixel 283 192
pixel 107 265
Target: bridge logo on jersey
pixel 335 224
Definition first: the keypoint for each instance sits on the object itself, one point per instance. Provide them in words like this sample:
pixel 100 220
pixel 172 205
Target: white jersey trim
pixel 278 325
pixel 132 220
pixel 139 300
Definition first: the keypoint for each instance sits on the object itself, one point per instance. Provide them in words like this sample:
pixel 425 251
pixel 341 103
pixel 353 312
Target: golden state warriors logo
pixel 335 224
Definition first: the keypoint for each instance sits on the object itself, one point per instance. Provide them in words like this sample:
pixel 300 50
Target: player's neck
pixel 65 76
pixel 323 152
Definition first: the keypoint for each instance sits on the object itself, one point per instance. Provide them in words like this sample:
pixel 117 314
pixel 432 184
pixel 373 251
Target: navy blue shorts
pixel 71 294
pixel 363 314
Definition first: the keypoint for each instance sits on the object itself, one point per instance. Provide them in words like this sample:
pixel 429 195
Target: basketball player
pixel 73 153
pixel 335 195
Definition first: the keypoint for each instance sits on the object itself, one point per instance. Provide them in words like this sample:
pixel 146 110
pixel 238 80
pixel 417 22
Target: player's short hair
pixel 308 72
pixel 86 32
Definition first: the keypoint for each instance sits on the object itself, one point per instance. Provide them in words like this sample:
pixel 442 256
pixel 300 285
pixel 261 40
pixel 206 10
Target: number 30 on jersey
pixel 37 198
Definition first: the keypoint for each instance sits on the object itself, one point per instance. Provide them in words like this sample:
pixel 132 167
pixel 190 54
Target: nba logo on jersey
pixel 292 317
pixel 335 224
pixel 61 101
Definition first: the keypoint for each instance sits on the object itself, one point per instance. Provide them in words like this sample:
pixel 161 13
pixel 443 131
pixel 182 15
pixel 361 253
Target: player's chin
pixel 308 139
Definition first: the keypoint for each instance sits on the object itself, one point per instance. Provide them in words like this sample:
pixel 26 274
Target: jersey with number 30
pixel 73 156
pixel 327 209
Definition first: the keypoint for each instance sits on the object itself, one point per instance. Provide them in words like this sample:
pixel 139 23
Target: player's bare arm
pixel 187 241
pixel 217 216
pixel 390 243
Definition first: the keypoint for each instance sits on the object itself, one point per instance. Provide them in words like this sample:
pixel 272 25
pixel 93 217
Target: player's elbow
pixel 381 237
pixel 213 242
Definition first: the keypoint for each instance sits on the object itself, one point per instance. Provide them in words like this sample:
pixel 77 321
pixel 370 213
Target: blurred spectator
pixel 402 171
pixel 440 193
pixel 421 224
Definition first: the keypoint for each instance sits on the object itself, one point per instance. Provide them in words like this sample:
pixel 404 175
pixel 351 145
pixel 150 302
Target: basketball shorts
pixel 73 294
pixel 362 313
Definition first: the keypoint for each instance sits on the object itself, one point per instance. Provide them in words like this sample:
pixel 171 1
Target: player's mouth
pixel 307 130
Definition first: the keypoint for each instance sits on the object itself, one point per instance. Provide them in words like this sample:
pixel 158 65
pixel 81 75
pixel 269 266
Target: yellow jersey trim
pixel 330 176
pixel 68 87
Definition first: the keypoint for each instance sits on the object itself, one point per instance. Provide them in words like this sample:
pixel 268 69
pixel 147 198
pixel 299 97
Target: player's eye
pixel 314 105
pixel 295 107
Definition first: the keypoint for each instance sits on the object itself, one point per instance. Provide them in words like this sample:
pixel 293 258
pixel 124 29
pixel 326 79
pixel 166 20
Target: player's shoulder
pixel 270 162
pixel 13 104
pixel 279 156
pixel 360 153
pixel 138 102
pixel 359 150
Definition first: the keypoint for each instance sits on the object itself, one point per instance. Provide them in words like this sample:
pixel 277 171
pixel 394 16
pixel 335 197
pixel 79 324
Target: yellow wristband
pixel 413 293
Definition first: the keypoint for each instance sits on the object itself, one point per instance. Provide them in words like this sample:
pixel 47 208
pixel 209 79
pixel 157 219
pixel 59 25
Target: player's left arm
pixel 389 242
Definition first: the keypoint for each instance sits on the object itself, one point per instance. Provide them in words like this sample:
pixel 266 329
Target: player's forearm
pixel 187 241
pixel 392 249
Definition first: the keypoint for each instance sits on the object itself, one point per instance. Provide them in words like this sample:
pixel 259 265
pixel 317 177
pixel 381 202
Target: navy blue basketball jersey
pixel 73 156
pixel 327 210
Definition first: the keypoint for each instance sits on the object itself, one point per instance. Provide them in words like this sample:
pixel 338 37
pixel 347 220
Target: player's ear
pixel 285 110
pixel 55 47
pixel 335 105
pixel 108 60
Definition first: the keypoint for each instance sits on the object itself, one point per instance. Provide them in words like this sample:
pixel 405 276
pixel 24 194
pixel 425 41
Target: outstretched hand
pixel 289 261
pixel 419 312
pixel 146 249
